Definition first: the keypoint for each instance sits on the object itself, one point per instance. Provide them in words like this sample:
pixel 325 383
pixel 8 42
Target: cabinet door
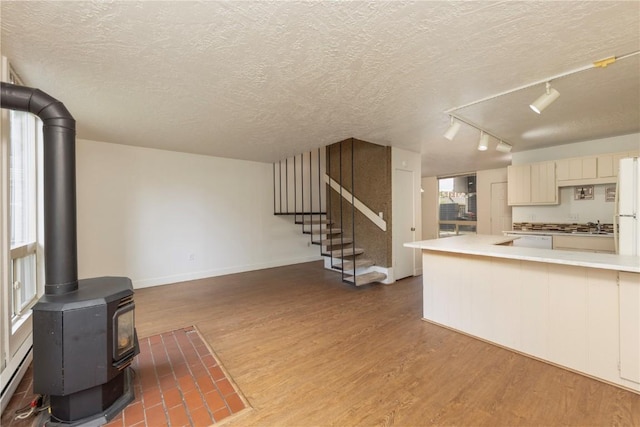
pixel 562 169
pixel 605 166
pixel 589 167
pixel 543 183
pixel 519 184
pixel 575 168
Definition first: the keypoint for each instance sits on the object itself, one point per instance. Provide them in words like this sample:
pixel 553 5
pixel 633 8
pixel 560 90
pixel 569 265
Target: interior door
pixel 500 210
pixel 403 223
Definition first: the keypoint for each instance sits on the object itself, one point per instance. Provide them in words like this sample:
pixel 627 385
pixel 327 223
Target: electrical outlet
pixel 573 217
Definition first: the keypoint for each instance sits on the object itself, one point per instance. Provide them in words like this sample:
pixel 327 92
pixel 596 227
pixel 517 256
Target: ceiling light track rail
pixel 603 63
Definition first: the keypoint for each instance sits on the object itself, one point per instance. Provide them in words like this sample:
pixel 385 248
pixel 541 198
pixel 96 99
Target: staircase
pixel 300 190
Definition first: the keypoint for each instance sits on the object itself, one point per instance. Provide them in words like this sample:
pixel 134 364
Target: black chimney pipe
pixel 61 252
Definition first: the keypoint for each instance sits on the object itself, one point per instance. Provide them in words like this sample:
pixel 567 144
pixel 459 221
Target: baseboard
pixel 15 371
pixel 167 280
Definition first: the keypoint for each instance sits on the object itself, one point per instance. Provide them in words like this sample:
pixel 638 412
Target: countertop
pixel 490 245
pixel 558 233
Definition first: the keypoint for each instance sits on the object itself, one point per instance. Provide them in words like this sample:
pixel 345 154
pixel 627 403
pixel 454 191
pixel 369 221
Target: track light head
pixel 503 147
pixel 483 144
pixel 454 127
pixel 545 100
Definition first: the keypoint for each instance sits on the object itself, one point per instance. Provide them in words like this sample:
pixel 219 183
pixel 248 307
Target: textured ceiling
pixel 265 80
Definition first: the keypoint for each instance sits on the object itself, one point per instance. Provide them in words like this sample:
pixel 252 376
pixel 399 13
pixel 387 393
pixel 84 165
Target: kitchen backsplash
pixel 563 228
pixel 569 210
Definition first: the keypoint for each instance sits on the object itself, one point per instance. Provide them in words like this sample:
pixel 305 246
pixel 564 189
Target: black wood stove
pixel 84 336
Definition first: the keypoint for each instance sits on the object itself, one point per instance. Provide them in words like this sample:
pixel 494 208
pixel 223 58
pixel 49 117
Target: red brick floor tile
pixel 178 417
pixel 181 370
pixel 133 414
pixel 172 397
pixel 168 382
pixel 214 401
pixel 205 384
pixel 220 414
pixel 156 416
pixel 208 360
pixel 235 403
pixel 225 387
pixel 193 399
pixel 216 373
pixel 186 383
pixel 151 397
pixel 200 417
pixel 164 370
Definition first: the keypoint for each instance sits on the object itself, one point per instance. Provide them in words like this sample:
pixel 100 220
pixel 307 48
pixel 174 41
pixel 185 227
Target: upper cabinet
pixel 532 184
pixel 537 183
pixel 601 169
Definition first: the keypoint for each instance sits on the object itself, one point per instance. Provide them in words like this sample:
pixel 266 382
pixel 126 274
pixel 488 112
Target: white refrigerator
pixel 626 222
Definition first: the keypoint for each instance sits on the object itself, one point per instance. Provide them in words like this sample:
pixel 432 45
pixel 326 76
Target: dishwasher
pixel 532 241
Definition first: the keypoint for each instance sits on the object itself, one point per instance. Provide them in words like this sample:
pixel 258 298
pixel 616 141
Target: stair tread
pixel 359 263
pixel 345 252
pixel 335 242
pixel 366 278
pixel 315 221
pixel 327 231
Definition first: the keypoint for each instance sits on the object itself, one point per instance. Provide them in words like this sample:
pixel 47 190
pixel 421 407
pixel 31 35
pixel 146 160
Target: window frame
pixel 16 319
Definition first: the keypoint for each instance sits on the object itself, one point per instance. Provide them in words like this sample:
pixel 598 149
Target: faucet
pixel 598 227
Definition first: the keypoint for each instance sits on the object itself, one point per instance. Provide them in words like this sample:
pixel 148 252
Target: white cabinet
pixel 543 183
pixel 568 315
pixel 608 164
pixel 518 185
pixel 577 169
pixel 600 244
pixel 601 169
pixel 532 184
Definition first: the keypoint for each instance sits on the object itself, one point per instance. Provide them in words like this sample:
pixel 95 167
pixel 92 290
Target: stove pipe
pixel 60 249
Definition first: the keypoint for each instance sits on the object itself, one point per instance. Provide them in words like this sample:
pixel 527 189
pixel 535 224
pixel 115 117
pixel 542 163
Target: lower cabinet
pixel 573 316
pixel 585 244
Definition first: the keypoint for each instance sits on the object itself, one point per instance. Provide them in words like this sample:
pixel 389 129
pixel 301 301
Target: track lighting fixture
pixel 454 127
pixel 503 147
pixel 545 99
pixel 483 144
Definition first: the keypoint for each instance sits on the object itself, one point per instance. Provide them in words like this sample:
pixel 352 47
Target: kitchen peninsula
pixel 578 310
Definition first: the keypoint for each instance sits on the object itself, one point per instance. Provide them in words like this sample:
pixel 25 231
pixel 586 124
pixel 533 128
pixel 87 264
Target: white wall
pixel 570 210
pixel 160 217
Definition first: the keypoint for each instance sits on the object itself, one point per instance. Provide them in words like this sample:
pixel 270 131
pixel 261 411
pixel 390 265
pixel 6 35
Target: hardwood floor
pixel 308 350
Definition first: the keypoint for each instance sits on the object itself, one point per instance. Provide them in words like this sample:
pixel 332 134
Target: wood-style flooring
pixel 306 349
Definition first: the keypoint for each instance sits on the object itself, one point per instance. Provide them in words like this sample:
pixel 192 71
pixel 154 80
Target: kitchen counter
pixel 577 310
pixel 495 246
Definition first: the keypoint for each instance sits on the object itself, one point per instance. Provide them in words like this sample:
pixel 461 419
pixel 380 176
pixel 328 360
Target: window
pixel 458 205
pixel 24 131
